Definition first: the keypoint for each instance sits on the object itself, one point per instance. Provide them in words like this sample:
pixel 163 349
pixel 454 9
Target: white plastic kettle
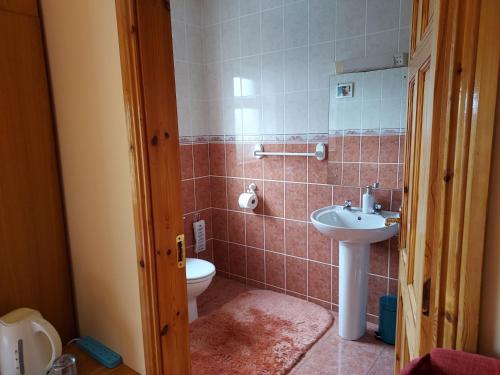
pixel 28 343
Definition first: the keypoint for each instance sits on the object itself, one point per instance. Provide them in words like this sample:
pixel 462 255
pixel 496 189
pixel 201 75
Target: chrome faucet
pixel 347 204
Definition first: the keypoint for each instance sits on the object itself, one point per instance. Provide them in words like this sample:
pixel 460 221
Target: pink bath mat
pixel 259 332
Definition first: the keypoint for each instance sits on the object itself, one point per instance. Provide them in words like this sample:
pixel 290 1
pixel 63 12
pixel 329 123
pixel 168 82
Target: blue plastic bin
pixel 387 320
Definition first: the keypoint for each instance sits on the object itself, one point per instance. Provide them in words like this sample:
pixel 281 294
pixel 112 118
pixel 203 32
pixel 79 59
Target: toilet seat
pixel 198 270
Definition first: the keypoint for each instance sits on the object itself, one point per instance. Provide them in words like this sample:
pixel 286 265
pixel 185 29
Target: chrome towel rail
pixel 319 154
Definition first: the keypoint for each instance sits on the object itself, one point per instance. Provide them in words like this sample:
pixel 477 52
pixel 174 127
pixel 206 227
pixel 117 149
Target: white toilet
pixel 199 274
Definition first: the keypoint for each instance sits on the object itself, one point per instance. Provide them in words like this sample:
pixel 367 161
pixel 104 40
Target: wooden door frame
pixel 459 81
pixel 156 361
pixel 465 93
pixel 134 108
pixel 480 121
pixel 465 99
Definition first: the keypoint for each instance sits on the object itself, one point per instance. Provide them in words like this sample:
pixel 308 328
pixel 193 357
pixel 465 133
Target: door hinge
pixel 181 251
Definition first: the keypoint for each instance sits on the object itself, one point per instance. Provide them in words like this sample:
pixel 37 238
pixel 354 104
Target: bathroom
pixel 252 73
pixel 249 187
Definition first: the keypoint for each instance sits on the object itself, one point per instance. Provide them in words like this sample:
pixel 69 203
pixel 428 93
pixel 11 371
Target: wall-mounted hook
pixel 252 187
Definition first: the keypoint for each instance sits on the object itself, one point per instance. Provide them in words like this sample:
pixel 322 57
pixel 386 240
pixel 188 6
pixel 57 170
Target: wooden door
pixel 415 268
pixel 442 229
pixel 149 88
pixel 34 265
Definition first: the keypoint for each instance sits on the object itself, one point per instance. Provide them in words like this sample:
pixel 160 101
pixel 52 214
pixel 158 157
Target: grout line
pixel 194 180
pixel 297 257
pixel 380 125
pixel 227 202
pixel 399 25
pixel 366 24
pixel 309 159
pixel 283 6
pixel 303 182
pixel 283 61
pixel 210 188
pixel 381 349
pixel 252 213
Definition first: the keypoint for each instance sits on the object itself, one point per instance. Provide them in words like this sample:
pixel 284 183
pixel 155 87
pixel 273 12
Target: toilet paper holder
pixel 248 199
pixel 251 188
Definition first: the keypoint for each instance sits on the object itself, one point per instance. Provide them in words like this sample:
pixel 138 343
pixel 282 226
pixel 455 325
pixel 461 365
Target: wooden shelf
pixel 88 366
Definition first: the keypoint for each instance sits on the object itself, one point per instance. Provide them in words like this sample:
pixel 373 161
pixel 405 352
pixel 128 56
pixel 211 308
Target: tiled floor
pixel 333 355
pixel 330 355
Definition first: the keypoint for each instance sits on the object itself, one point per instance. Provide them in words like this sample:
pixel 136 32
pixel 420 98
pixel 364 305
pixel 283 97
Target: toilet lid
pixel 198 269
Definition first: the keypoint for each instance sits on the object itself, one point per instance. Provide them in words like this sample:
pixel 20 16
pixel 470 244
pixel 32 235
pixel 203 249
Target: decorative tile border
pixel 381 132
pixel 317 138
pixel 289 138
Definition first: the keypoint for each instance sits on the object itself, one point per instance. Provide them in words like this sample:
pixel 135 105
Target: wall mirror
pixel 367 110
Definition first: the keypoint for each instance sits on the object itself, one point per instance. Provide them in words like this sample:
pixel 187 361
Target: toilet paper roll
pixel 248 200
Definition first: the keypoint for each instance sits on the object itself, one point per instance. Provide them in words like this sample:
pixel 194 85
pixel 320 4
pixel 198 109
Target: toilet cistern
pixel 368 203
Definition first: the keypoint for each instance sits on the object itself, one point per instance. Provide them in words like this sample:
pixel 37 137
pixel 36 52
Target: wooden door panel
pixel 422 13
pixel 161 133
pixel 34 264
pixel 413 258
pixel 405 210
pixel 415 255
pixel 426 16
pixel 418 185
pixel 435 257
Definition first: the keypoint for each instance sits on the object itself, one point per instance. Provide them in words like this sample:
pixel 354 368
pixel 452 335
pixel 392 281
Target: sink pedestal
pixel 353 289
pixel 355 231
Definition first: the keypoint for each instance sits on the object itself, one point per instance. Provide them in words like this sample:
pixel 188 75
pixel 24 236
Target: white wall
pixel 266 63
pixel 189 80
pixel 84 61
pixel 489 325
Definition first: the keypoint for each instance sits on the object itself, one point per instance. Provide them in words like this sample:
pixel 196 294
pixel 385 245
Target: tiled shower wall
pixel 258 72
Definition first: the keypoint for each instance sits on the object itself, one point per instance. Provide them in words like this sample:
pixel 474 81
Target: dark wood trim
pixel 21 7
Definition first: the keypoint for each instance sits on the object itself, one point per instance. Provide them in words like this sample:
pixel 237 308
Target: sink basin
pixel 353 225
pixel 355 231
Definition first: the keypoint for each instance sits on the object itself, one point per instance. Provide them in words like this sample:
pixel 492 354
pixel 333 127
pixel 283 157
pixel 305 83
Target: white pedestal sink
pixel 355 231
